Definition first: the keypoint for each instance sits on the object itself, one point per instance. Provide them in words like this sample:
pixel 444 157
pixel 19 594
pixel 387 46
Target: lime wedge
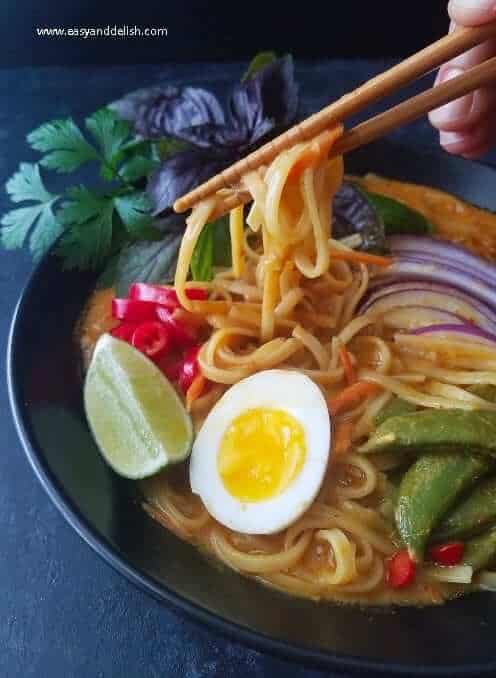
pixel 136 416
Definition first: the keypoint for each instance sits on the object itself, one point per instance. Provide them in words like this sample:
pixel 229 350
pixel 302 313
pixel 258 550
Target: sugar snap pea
pixel 386 507
pixel 429 488
pixel 480 551
pixel 394 408
pixel 472 515
pixel 441 430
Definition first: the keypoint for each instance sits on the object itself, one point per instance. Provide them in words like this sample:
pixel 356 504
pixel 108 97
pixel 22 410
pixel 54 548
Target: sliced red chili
pixel 133 310
pixel 189 368
pixel 165 296
pixel 171 367
pixel 450 553
pixel 400 570
pixel 180 335
pixel 196 294
pixel 124 331
pixel 152 339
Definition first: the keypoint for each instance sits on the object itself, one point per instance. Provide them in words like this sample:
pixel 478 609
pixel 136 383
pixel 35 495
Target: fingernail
pixel 478 5
pixel 478 8
pixel 450 139
pixel 455 110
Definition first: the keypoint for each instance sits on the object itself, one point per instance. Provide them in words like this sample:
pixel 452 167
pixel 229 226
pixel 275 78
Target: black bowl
pixel 45 393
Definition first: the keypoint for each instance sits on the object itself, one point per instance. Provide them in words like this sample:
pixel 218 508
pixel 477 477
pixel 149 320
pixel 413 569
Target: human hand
pixel 467 126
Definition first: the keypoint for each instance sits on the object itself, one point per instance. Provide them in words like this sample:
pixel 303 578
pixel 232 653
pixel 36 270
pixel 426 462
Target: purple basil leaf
pixel 265 102
pixel 260 106
pixel 182 172
pixel 172 223
pixel 129 105
pixel 219 137
pixel 170 110
pixel 354 213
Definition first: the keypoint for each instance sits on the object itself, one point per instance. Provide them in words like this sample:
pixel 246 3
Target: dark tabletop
pixel 64 613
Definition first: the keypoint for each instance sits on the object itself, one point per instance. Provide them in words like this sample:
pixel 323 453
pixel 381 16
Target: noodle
pixel 289 274
pixel 289 302
pixel 236 231
pixel 260 563
pixel 414 396
pixel 344 554
pixel 313 345
pixel 369 478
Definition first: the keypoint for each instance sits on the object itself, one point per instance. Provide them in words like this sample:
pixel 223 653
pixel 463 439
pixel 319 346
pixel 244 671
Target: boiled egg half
pixel 261 454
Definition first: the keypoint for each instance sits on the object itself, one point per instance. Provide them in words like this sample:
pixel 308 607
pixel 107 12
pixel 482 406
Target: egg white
pixel 285 390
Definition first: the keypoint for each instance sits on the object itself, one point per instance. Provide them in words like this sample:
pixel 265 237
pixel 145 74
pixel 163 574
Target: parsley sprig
pixel 94 223
pixel 165 137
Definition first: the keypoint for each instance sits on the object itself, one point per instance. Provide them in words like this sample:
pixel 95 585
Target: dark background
pixel 217 30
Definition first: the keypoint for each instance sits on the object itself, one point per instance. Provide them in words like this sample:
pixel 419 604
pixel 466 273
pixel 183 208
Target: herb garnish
pixel 93 224
pixel 149 148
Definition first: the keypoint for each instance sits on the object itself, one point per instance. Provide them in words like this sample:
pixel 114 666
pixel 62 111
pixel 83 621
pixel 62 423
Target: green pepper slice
pixel 395 407
pixel 480 551
pixel 429 488
pixel 441 430
pixel 472 515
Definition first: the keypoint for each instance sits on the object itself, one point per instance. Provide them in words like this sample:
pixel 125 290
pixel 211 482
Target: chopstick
pixel 370 92
pixel 414 108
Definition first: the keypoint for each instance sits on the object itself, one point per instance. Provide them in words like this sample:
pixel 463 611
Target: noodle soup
pixel 401 507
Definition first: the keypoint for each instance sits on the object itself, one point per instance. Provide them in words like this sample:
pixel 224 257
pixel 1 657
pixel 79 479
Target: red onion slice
pixel 438 273
pixel 445 299
pixel 460 331
pixel 413 317
pixel 455 269
pixel 444 252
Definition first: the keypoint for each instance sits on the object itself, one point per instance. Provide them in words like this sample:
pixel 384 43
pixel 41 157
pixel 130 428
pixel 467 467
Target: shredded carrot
pixel 319 147
pixel 342 437
pixel 195 390
pixel 360 257
pixel 351 396
pixel 349 370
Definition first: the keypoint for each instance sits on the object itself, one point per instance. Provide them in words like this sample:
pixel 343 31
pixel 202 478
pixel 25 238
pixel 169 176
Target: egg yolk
pixel 261 453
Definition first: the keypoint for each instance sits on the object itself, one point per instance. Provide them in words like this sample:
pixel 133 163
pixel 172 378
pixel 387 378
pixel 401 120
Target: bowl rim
pixel 233 631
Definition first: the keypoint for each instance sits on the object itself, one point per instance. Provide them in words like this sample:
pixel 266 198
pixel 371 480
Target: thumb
pixel 472 12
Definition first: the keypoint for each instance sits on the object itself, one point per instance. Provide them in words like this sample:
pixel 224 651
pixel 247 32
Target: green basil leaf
pixel 212 249
pixel 109 274
pixel 399 219
pixel 258 62
pixel 147 261
pixel 222 242
pixel 202 261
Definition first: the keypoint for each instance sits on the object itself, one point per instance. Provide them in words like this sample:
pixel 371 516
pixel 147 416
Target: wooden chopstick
pixel 395 117
pixel 373 90
pixel 414 108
